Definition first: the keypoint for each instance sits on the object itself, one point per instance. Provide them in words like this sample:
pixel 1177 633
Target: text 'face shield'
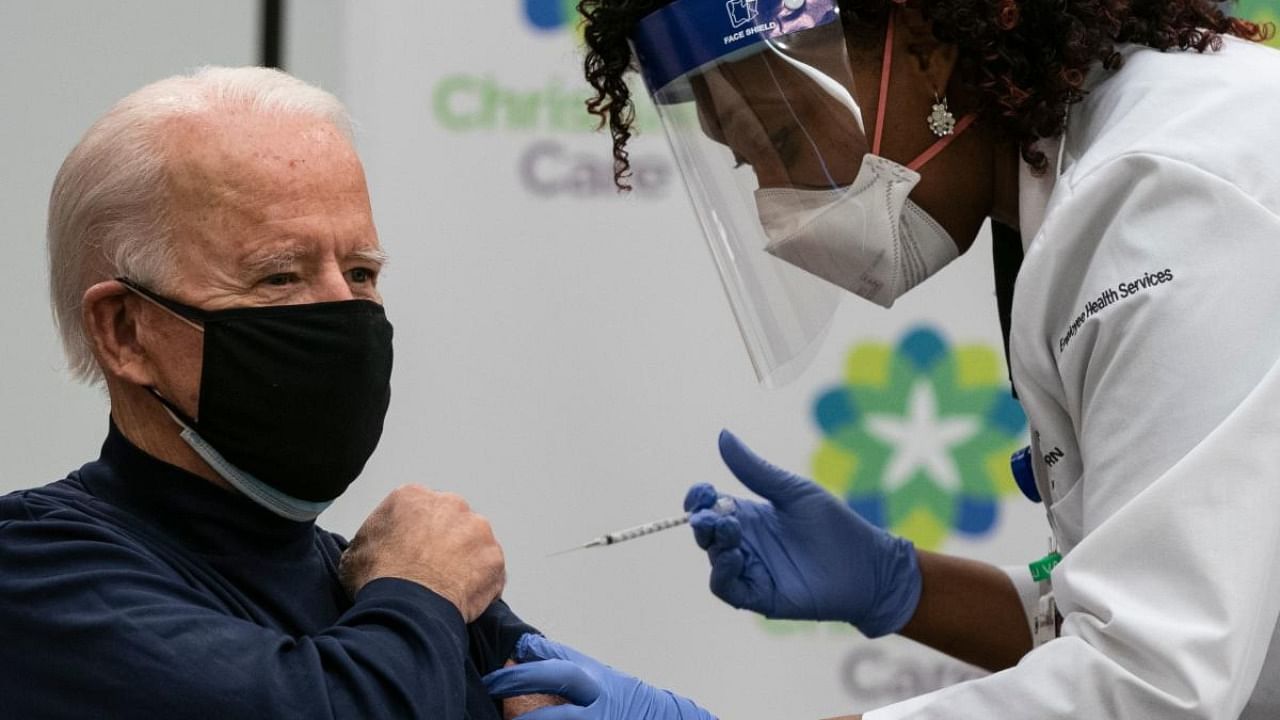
pixel 757 98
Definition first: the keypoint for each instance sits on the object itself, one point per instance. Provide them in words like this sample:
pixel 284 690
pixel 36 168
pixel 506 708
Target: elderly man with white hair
pixel 214 262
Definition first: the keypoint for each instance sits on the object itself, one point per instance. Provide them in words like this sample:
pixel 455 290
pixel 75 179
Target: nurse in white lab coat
pixel 1134 146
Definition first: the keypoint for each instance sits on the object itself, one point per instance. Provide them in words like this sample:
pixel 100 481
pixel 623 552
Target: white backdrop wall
pixel 565 357
pixel 62 64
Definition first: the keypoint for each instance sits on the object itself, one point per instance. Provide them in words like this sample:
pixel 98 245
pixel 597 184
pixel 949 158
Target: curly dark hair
pixel 1027 59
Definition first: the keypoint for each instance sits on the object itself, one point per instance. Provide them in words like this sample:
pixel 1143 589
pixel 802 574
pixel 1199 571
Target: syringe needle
pixel 566 550
pixel 724 506
pixel 589 544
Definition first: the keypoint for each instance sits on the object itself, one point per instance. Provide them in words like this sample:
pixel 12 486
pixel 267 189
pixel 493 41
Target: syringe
pixel 725 505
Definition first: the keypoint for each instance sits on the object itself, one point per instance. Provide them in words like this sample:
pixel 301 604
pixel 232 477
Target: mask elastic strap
pixel 286 506
pixel 159 301
pixel 886 68
pixel 179 417
pixel 942 142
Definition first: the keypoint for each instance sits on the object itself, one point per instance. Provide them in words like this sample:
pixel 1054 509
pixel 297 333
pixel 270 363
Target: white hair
pixel 107 211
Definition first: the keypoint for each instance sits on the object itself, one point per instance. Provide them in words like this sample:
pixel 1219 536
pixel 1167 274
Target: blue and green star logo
pixel 918 437
pixel 550 15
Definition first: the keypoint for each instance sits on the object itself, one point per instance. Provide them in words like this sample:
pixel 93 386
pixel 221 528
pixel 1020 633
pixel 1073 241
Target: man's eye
pixel 280 279
pixel 362 275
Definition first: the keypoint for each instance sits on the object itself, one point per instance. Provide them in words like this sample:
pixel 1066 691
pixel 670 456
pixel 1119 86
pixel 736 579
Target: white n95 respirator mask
pixel 869 238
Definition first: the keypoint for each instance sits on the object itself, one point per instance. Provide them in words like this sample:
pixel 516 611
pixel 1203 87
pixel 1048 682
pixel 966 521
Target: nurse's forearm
pixel 970 611
pixel 514 707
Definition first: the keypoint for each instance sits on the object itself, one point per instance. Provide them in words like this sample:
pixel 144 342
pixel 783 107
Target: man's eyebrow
pixel 273 260
pixel 375 255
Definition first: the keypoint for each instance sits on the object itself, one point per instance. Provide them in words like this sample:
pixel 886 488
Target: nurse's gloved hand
pixel 804 554
pixel 594 690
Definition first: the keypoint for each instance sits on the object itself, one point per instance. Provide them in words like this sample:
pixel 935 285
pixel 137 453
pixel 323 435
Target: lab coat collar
pixel 1035 190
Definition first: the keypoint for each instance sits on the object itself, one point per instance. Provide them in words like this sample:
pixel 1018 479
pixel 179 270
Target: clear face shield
pixel 760 106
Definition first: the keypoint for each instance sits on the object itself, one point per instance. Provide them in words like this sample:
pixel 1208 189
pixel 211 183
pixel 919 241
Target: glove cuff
pixel 686 709
pixel 899 585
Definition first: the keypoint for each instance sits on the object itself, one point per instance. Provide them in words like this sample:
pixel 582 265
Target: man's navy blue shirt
pixel 133 588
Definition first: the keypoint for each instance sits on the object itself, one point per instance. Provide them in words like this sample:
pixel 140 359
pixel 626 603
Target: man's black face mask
pixel 293 395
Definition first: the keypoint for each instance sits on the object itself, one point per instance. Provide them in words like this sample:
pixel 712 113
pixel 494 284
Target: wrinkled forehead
pixel 235 179
pixel 257 190
pixel 223 154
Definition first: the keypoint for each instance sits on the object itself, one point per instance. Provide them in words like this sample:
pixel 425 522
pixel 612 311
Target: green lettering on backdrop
pixel 521 108
pixel 461 103
pixel 466 103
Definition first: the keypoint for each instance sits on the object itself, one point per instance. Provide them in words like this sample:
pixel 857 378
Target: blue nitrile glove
pixel 804 554
pixel 594 690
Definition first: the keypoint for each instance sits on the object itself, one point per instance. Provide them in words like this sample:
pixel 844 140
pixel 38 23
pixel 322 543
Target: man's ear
pixel 934 61
pixel 110 313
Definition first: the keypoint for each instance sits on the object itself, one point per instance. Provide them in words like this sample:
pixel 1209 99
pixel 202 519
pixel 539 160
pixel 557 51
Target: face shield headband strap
pixel 686 36
pixel 886 68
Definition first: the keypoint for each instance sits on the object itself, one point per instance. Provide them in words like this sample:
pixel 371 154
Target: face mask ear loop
pixel 942 143
pixel 886 66
pixel 180 418
pixel 174 412
pixel 137 290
